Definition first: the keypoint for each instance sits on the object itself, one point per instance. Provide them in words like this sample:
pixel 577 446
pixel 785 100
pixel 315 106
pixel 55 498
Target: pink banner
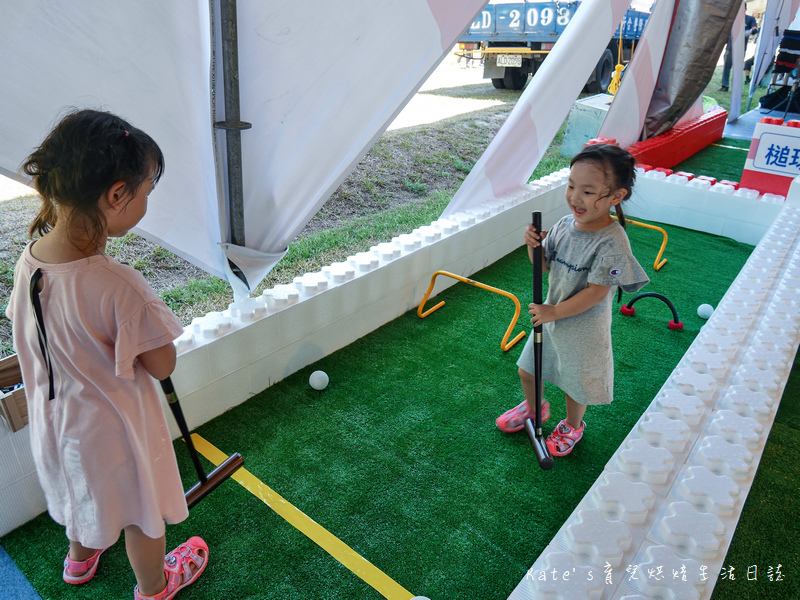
pixel 518 147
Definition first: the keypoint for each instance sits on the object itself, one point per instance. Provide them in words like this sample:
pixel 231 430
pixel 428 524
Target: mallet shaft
pixel 534 429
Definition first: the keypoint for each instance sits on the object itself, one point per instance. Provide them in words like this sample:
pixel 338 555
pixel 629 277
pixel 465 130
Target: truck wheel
pixel 499 83
pixel 515 78
pixel 603 73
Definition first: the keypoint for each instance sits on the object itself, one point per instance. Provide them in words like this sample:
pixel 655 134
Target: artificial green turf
pixel 400 458
pixel 723 159
pixel 768 528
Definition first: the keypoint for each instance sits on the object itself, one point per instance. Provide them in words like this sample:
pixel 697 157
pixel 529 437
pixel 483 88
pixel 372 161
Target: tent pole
pixel 233 125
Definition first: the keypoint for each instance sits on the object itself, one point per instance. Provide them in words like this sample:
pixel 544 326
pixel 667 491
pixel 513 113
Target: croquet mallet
pixel 534 429
pixel 210 482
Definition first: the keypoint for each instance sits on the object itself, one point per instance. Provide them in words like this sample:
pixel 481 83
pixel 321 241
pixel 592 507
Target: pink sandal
pixel 86 568
pixel 514 419
pixel 182 567
pixel 563 438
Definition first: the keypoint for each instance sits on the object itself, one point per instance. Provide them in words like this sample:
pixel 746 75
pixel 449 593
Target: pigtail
pixel 621 220
pixel 620 215
pixel 36 167
pixel 45 219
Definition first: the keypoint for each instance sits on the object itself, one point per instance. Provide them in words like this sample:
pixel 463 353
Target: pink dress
pixel 102 447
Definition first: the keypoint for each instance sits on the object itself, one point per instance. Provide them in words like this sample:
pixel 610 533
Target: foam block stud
pixel 601 539
pixel 677 405
pixel 709 492
pixel 646 462
pixel 248 310
pixel 758 380
pixel 713 341
pixel 737 429
pixel 724 458
pixel 747 403
pixel 212 325
pixel 705 361
pixel 686 527
pixel 659 430
pixel 693 383
pixel 623 499
pixel 655 577
pixel 563 579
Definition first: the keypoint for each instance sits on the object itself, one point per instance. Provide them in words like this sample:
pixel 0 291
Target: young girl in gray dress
pixel 587 255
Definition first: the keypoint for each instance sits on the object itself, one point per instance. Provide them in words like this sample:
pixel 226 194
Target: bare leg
pixel 528 382
pixel 79 553
pixel 575 412
pixel 146 556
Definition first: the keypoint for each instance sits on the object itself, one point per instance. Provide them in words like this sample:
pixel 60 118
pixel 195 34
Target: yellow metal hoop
pixel 658 262
pixel 505 345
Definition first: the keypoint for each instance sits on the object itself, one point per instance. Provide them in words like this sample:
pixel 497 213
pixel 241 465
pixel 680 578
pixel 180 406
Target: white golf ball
pixel 318 380
pixel 704 311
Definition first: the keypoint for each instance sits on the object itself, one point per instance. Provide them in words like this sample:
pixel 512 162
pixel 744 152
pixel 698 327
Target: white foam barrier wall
pixel 659 520
pixel 698 204
pixel 225 358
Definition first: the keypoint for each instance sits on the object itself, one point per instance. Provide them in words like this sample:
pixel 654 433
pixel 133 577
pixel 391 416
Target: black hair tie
pixel 42 334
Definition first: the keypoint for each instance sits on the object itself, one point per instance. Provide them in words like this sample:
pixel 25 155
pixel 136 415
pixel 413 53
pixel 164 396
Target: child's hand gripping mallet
pixel 535 429
pixel 207 484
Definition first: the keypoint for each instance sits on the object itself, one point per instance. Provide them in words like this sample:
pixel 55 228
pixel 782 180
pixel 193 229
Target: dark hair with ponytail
pixel 82 157
pixel 618 165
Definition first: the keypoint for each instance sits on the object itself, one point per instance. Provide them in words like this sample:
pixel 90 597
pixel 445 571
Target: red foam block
pixel 682 141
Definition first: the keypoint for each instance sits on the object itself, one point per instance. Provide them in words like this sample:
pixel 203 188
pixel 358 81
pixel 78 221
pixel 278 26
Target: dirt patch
pixel 409 166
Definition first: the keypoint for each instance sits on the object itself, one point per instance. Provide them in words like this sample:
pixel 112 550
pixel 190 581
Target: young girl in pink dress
pixel 91 335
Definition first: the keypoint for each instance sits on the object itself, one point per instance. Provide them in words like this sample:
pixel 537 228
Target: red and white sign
pixel 774 157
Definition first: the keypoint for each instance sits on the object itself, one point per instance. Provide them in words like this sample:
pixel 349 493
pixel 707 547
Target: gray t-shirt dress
pixel 576 351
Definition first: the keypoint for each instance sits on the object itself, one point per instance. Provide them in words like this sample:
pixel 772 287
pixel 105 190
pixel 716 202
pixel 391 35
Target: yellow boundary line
pixel 348 557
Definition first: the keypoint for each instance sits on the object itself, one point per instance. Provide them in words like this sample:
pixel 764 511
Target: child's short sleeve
pixel 621 270
pixel 152 326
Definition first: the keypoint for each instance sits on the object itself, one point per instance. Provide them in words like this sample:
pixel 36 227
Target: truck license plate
pixel 509 60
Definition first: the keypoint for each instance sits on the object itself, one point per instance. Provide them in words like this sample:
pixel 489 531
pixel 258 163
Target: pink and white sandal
pixel 563 438
pixel 81 571
pixel 182 567
pixel 514 418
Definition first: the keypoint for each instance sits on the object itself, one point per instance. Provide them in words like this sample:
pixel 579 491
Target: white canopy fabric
pixel 147 61
pixel 518 147
pixel 319 82
pixel 737 65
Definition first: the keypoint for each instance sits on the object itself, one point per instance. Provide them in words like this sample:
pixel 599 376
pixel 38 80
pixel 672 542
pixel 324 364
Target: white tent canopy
pixel 319 82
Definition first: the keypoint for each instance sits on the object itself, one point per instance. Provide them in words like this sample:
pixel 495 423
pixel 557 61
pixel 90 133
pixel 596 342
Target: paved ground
pixel 429 108
pixel 12 189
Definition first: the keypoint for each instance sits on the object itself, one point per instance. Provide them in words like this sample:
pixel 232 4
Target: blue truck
pixel 512 39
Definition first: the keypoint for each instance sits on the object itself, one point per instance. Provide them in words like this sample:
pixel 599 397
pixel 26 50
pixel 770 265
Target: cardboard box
pixel 13 406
